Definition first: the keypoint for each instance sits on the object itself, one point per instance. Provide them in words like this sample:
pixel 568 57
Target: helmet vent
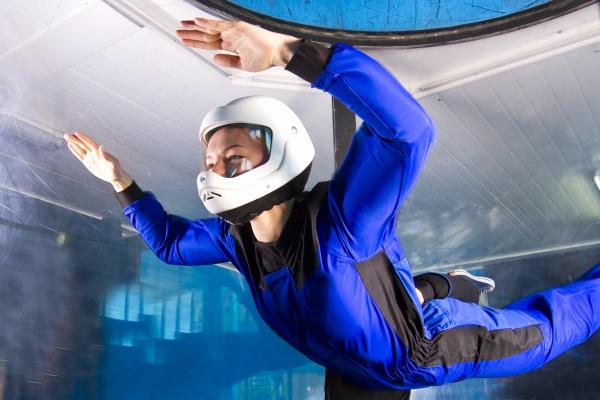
pixel 210 196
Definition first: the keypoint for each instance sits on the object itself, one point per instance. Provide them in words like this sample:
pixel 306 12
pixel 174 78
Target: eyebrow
pixel 226 149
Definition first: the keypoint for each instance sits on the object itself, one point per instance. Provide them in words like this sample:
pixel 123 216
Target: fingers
pixel 210 34
pixel 76 151
pixel 198 36
pixel 191 25
pixel 227 60
pixel 203 45
pixel 76 142
pixel 80 144
pixel 213 25
pixel 87 141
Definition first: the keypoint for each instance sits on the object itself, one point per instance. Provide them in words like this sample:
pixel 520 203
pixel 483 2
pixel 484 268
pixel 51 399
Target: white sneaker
pixel 483 284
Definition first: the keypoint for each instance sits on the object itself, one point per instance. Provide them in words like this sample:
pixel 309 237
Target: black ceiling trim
pixel 417 38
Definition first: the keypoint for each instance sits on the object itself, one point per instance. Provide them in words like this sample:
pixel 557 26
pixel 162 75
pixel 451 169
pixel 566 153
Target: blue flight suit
pixel 345 297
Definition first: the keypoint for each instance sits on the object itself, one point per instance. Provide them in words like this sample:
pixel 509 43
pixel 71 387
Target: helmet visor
pixel 235 149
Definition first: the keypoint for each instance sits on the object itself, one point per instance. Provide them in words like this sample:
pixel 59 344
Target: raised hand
pixel 255 49
pixel 97 160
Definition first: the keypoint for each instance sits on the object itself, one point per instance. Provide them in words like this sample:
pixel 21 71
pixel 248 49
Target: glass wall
pixel 87 312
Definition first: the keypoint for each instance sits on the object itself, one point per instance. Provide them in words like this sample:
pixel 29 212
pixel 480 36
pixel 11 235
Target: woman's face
pixel 233 150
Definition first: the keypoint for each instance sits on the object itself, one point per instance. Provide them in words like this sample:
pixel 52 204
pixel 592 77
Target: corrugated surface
pixel 513 167
pixel 40 15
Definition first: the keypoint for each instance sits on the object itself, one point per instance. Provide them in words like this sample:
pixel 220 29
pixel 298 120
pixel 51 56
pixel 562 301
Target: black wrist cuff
pixel 129 195
pixel 309 60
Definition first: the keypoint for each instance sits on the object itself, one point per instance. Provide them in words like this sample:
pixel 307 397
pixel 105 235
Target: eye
pixel 235 165
pixel 235 158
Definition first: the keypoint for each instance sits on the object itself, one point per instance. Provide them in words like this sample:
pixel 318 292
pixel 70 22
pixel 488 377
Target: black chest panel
pixel 296 247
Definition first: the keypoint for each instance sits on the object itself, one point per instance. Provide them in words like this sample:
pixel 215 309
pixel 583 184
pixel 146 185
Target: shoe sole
pixel 484 285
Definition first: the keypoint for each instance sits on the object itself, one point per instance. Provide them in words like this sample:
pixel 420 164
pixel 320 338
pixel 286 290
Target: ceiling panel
pixel 515 160
pixel 40 16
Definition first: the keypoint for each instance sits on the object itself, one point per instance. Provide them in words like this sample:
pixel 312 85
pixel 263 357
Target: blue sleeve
pixel 177 240
pixel 385 156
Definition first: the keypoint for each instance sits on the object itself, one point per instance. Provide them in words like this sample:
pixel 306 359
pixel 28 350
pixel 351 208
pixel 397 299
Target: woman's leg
pixel 572 312
pixel 472 341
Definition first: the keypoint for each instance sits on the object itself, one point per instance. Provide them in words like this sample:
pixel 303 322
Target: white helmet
pixel 282 177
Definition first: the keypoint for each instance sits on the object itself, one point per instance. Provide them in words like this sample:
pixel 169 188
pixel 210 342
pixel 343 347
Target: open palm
pixel 95 159
pixel 251 48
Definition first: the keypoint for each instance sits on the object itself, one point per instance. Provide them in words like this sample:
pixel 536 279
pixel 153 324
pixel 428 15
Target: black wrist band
pixel 129 195
pixel 309 60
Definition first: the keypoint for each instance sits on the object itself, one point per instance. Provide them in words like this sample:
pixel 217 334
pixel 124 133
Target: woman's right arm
pixel 173 239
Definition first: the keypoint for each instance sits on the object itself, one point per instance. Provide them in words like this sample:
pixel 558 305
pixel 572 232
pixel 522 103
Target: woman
pixel 325 267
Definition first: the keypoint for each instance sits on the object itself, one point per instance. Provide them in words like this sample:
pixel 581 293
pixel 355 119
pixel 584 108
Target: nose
pixel 219 166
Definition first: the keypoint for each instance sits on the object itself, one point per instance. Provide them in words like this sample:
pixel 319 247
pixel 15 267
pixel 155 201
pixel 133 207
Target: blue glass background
pixel 387 15
pixel 88 313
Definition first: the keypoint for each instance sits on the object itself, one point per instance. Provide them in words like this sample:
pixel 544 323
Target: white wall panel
pixel 38 15
pixel 516 156
pixel 65 44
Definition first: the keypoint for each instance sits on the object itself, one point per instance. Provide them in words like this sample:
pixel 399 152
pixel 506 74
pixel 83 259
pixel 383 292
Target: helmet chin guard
pixel 282 177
